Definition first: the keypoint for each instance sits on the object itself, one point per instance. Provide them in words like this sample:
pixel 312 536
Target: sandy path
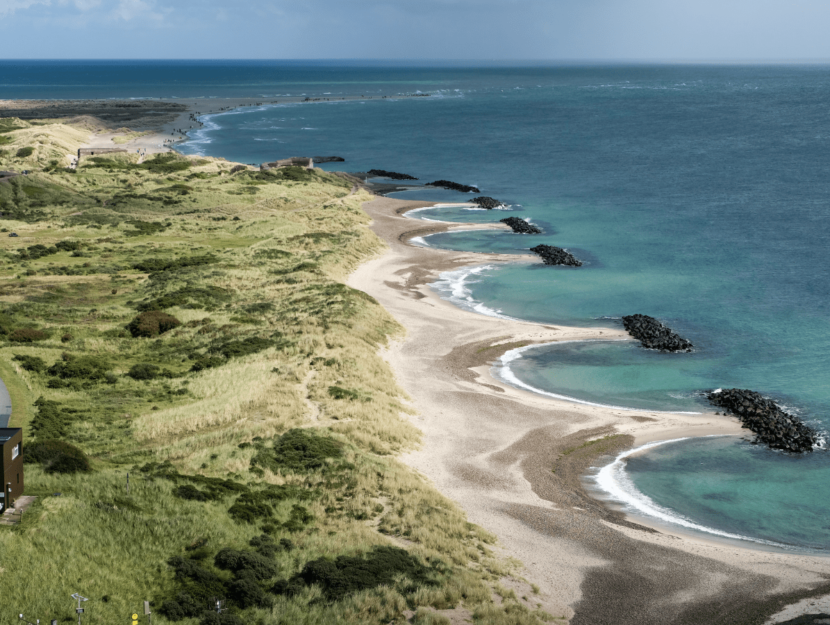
pixel 494 449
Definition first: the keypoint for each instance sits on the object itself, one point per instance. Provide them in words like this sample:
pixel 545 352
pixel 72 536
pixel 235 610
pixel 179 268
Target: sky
pixel 586 30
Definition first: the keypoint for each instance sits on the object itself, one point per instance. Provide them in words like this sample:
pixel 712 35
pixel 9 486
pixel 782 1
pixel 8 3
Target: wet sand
pixel 515 460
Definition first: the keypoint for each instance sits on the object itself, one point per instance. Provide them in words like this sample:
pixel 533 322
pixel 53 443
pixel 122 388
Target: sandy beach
pixel 516 461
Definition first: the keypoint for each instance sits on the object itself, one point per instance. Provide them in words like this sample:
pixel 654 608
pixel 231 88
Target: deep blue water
pixel 699 195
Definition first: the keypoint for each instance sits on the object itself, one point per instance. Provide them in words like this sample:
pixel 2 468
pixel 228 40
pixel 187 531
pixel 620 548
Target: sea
pixel 699 195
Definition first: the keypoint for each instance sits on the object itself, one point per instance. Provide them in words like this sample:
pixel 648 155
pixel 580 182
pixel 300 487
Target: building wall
pixel 12 467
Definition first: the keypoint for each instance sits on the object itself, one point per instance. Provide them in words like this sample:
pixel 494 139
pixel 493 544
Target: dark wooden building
pixel 11 466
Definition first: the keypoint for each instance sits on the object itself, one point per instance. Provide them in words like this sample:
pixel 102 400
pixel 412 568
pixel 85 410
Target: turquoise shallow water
pixel 697 195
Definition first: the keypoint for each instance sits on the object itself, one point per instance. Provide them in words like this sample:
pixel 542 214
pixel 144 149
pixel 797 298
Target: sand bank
pixel 515 460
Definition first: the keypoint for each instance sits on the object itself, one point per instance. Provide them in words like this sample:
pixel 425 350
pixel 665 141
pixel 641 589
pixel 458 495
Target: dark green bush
pixel 33 252
pixel 68 246
pixel 152 265
pixel 244 347
pixel 199 582
pixel 27 335
pixel 251 508
pixel 152 323
pixel 254 564
pixel 144 371
pixel 146 228
pixel 84 367
pixel 298 450
pixel 343 393
pixel 25 152
pixel 192 297
pixel 50 421
pixel 56 456
pixel 245 592
pixel 350 574
pixel 207 362
pixel 190 492
pixel 298 519
pixel 31 363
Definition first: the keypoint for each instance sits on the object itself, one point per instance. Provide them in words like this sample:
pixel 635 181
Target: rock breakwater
pixel 520 226
pixel 382 173
pixel 453 186
pixel 654 335
pixel 328 159
pixel 552 255
pixel 486 202
pixel 764 418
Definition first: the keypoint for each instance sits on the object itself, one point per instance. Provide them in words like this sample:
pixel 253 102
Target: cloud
pixel 128 10
pixel 7 7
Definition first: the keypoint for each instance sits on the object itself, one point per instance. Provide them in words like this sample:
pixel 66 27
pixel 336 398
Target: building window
pixel 15 451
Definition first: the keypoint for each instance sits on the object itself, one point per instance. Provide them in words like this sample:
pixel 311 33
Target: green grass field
pixel 259 427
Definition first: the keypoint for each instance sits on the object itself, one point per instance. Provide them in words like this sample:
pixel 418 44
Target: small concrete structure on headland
pixel 294 161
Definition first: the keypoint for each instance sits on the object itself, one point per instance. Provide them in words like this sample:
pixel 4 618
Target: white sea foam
pixel 419 241
pixel 452 285
pixel 613 480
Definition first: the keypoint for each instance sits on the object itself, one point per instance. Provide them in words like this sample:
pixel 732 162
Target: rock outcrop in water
pixel 382 173
pixel 552 255
pixel 453 186
pixel 654 335
pixel 486 202
pixel 520 226
pixel 328 159
pixel 764 418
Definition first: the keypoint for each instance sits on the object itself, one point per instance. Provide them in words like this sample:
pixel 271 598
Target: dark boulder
pixel 764 418
pixel 654 335
pixel 552 255
pixel 486 202
pixel 520 226
pixel 328 159
pixel 453 186
pixel 382 173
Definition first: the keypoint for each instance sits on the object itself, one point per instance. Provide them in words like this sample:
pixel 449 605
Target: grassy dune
pixel 265 415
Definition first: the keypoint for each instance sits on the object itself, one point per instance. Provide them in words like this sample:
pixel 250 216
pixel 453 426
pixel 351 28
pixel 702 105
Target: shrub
pixel 206 362
pixel 350 574
pixel 68 246
pixel 244 347
pixel 151 265
pixel 298 450
pixel 255 565
pixel 146 228
pixel 81 367
pixel 27 335
pixel 31 363
pixel 25 152
pixel 183 606
pixel 33 252
pixel 66 338
pixel 245 592
pixel 152 323
pixel 343 393
pixel 143 371
pixel 250 508
pixel 56 456
pixel 190 492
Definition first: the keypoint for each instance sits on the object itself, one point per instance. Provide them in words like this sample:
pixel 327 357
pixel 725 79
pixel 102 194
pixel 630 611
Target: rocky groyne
pixel 552 255
pixel 453 186
pixel 654 335
pixel 486 202
pixel 382 173
pixel 764 418
pixel 520 226
pixel 328 159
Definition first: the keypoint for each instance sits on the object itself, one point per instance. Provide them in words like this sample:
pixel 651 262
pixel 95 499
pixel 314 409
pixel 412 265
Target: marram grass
pixel 267 330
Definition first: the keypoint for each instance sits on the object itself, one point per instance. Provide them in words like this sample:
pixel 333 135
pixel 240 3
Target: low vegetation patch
pixel 56 456
pixel 152 323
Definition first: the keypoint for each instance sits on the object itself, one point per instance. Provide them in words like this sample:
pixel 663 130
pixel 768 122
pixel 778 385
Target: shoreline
pixel 153 121
pixel 515 460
